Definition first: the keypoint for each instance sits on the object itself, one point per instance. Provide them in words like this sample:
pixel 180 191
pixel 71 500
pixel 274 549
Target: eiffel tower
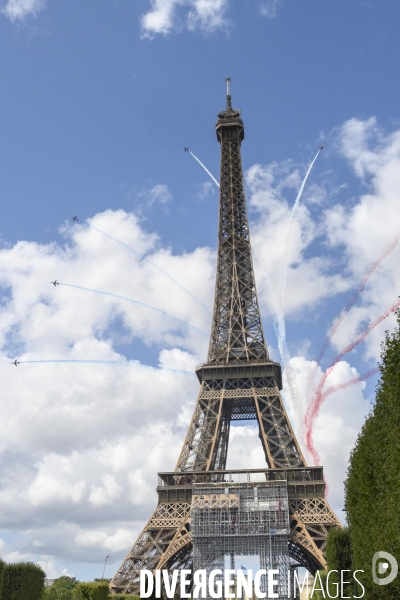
pixel 238 382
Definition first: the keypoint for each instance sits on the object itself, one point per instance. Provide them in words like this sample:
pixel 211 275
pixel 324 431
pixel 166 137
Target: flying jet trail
pixel 292 215
pixel 282 346
pixel 346 384
pixel 204 167
pixel 79 287
pixel 108 362
pixel 359 290
pixel 144 258
pixel 339 320
pixel 72 360
pixel 332 390
pixel 314 407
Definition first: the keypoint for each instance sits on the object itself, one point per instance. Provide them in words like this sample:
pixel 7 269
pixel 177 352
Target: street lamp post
pixel 105 562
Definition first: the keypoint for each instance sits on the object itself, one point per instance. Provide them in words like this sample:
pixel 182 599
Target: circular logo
pixel 383 567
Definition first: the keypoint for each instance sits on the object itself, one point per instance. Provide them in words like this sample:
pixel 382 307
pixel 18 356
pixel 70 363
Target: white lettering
pixel 296 583
pixel 145 574
pixel 200 583
pixel 228 583
pixel 244 584
pixel 170 587
pixel 272 583
pixel 363 589
pixel 343 582
pixel 158 583
pixel 317 579
pixel 327 584
pixel 215 587
pixel 257 578
pixel 185 582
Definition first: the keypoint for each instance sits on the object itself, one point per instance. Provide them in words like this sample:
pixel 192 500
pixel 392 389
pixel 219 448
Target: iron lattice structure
pixel 231 519
pixel 238 382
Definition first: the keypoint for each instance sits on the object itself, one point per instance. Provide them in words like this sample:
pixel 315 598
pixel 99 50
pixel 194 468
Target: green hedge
pixel 91 591
pixel 373 482
pixel 23 581
pixel 2 565
pixel 338 557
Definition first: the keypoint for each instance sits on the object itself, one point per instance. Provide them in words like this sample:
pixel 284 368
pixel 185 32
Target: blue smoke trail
pixel 71 360
pixel 205 168
pixel 108 362
pixel 162 312
pixel 144 258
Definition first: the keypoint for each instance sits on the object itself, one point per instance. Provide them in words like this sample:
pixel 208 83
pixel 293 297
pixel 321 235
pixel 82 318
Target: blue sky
pixel 97 100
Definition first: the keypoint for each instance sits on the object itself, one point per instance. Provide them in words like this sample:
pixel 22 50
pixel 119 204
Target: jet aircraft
pixel 75 218
pixel 16 362
pixel 186 149
pixel 321 147
pixel 55 282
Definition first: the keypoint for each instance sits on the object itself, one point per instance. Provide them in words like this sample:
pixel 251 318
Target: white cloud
pixel 166 16
pixel 20 9
pixel 159 193
pixel 206 189
pixel 79 435
pixel 269 8
pixel 48 490
pixel 107 493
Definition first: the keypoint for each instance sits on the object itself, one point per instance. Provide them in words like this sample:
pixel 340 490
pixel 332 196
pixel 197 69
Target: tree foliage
pixel 23 581
pixel 91 591
pixel 339 558
pixel 373 482
pixel 61 589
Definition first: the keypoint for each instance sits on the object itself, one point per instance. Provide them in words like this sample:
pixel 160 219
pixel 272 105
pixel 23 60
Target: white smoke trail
pixel 108 362
pixel 79 287
pixel 144 258
pixel 283 349
pixel 279 325
pixel 205 168
pixel 282 346
pixel 292 215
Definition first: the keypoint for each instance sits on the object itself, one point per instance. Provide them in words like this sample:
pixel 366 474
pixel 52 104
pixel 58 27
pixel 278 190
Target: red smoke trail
pixel 343 386
pixel 360 289
pixel 331 390
pixel 313 408
pixel 339 320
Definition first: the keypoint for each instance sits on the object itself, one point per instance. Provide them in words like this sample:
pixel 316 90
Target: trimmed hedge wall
pixel 23 581
pixel 373 482
pixel 91 591
pixel 2 565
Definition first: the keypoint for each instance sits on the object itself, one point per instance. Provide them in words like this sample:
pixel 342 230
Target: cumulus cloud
pixel 87 440
pixel 166 16
pixel 20 9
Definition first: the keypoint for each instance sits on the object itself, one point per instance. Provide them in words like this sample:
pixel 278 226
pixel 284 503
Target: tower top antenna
pixel 228 92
